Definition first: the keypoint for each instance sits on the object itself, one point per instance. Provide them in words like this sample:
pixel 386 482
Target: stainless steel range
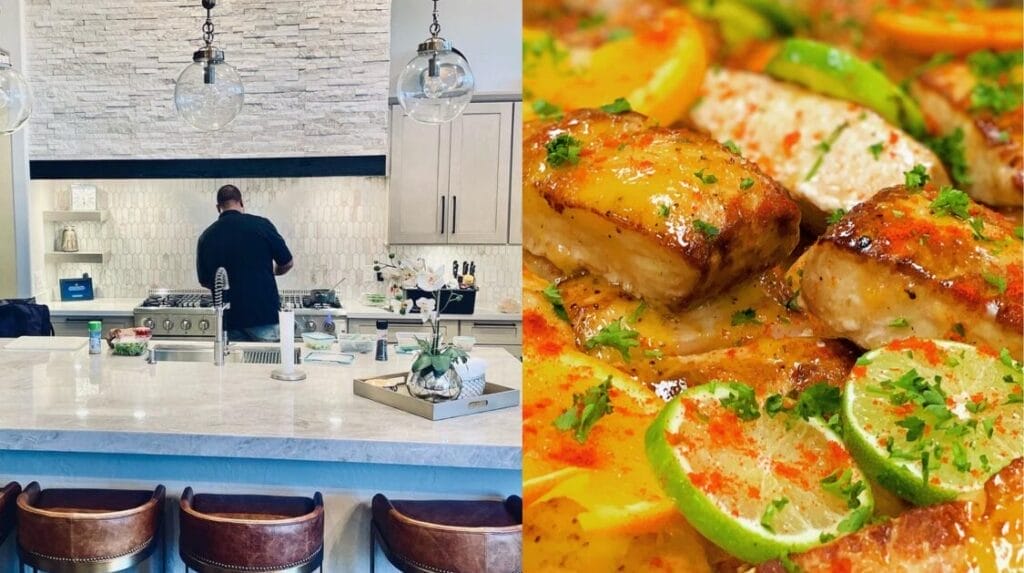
pixel 189 313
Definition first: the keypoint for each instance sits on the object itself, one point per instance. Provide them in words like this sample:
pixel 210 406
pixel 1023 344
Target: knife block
pixel 465 306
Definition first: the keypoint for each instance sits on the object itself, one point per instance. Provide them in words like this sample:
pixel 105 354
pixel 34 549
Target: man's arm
pixel 203 270
pixel 283 269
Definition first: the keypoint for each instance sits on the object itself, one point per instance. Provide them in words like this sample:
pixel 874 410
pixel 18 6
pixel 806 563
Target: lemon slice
pixel 940 403
pixel 759 486
pixel 656 66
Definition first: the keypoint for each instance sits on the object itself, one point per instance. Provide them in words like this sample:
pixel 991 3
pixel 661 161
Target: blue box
pixel 76 289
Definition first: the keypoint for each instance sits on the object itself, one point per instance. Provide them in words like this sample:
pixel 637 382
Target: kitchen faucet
pixel 220 343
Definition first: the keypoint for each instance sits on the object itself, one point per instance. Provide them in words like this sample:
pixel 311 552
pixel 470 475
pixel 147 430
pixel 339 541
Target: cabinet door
pixel 515 217
pixel 366 326
pixel 419 181
pixel 478 187
pixel 79 326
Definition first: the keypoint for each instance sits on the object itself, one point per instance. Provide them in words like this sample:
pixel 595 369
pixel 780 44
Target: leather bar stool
pixel 87 530
pixel 449 536
pixel 8 509
pixel 236 533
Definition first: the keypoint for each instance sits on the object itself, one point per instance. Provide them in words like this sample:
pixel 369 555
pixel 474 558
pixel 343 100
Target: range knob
pixel 186 324
pixel 310 326
pixel 204 325
pixel 329 327
pixel 168 324
pixel 148 323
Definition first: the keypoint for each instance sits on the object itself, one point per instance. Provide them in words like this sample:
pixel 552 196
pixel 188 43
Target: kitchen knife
pixel 465 268
pixel 472 268
pixel 455 270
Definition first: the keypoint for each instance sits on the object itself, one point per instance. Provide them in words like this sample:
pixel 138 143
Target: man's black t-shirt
pixel 247 247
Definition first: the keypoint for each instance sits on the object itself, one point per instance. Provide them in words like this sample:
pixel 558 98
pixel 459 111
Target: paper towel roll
pixel 286 318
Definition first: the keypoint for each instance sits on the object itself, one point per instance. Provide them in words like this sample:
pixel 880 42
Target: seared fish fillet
pixel 782 128
pixel 992 143
pixel 770 365
pixel 961 536
pixel 755 308
pixel 900 265
pixel 667 214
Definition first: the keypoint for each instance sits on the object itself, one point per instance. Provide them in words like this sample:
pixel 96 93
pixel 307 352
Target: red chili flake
pixel 841 565
pixel 978 398
pixel 967 292
pixel 931 352
pixel 753 492
pixel 792 473
pixel 574 454
pixel 893 137
pixel 903 409
pixel 859 371
pixel 710 482
pixel 791 139
pixel 838 457
pixel 987 350
pixel 725 429
pixel 532 408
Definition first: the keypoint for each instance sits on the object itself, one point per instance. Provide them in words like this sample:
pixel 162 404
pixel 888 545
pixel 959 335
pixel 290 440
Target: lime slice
pixel 759 486
pixel 936 402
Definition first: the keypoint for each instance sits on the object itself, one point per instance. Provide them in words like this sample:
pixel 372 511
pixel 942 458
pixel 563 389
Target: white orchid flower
pixel 432 279
pixel 425 304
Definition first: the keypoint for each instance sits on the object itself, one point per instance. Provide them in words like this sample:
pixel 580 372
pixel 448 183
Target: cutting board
pixel 47 343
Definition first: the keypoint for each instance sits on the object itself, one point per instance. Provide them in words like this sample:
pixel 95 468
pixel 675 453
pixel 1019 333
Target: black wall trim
pixel 366 165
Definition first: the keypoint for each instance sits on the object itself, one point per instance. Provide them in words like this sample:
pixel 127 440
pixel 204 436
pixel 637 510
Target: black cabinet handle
pixel 442 215
pixel 455 207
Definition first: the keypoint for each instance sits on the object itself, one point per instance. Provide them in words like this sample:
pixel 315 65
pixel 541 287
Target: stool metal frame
pixel 37 562
pixel 192 563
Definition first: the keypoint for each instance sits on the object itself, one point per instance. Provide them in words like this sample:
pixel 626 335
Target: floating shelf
pixel 80 257
pixel 98 216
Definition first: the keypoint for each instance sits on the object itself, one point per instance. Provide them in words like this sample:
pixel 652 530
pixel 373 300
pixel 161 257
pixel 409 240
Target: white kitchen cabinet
pixel 451 183
pixel 369 326
pixel 515 216
pixel 79 326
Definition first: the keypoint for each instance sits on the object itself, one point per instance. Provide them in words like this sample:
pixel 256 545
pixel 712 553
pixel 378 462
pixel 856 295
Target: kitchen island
pixel 70 418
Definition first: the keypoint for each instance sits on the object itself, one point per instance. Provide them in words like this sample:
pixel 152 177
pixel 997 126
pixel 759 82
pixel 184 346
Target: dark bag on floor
pixel 24 318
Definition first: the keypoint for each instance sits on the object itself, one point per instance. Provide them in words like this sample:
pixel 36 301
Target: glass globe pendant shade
pixel 209 93
pixel 437 85
pixel 15 97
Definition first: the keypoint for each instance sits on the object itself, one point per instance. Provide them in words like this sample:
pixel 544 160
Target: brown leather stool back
pixel 450 536
pixel 251 532
pixel 58 528
pixel 8 509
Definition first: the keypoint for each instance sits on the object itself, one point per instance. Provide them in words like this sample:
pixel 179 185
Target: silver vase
pixel 426 385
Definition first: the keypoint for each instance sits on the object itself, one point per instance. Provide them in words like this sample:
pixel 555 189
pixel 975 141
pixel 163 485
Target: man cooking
pixel 253 253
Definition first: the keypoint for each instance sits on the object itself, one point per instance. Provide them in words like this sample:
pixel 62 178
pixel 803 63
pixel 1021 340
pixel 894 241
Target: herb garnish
pixel 620 105
pixel 546 110
pixel 843 486
pixel 740 399
pixel 564 149
pixel 951 150
pixel 587 408
pixel 988 64
pixel 835 216
pixel 745 316
pixel 731 146
pixel 823 148
pixel 899 322
pixel 591 21
pixel 952 202
pixel 769 512
pixel 615 335
pixel 997 98
pixel 636 314
pixel 708 229
pixel 914 427
pixel 876 149
pixel 819 400
pixel 916 177
pixel 746 183
pixel 708 179
pixel 664 210
pixel 998 282
pixel 555 298
pixel 855 520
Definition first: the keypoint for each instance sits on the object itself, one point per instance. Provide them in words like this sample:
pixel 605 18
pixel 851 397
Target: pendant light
pixel 437 85
pixel 209 93
pixel 15 96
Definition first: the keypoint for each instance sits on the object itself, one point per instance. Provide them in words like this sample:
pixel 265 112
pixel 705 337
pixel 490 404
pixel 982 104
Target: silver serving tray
pixel 494 397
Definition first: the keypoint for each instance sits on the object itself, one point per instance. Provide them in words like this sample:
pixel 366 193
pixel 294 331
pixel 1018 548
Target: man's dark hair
pixel 227 194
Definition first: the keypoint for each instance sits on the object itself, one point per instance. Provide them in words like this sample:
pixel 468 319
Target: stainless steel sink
pixel 237 355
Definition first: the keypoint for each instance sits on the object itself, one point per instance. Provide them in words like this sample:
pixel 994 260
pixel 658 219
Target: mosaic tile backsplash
pixel 335 228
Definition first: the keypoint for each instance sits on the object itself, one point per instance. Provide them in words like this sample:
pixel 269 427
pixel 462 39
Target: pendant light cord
pixel 435 27
pixel 208 29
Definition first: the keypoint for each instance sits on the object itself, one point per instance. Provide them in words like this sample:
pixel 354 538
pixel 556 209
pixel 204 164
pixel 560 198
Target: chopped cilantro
pixel 709 230
pixel 899 322
pixel 707 179
pixel 731 146
pixel 951 150
pixel 546 110
pixel 823 148
pixel 745 316
pixel 1018 232
pixel 952 202
pixel 996 98
pixel 996 281
pixel 773 508
pixel 555 298
pixel 564 149
pixel 774 404
pixel 863 361
pixel 614 335
pixel 960 461
pixel 843 486
pixel 740 399
pixel 544 45
pixel 654 353
pixel 587 408
pixel 591 21
pixel 826 537
pixel 987 64
pixel 977 228
pixel 746 183
pixel 914 427
pixel 635 316
pixel 620 34
pixel 959 329
pixel 620 105
pixel 916 177
pixel 855 520
pixel 876 149
pixel 819 400
pixel 835 216
pixel 664 210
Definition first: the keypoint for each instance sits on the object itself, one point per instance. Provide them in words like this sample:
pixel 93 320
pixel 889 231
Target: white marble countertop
pixel 351 309
pixel 76 402
pixel 358 310
pixel 95 307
